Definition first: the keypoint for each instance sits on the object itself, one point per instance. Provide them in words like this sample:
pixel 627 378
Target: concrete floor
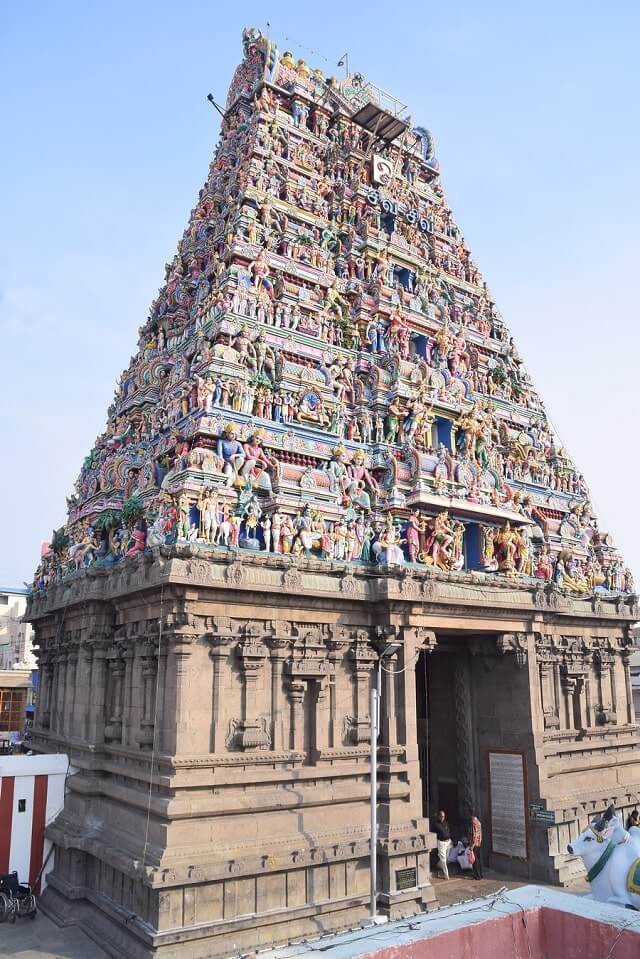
pixel 460 887
pixel 40 938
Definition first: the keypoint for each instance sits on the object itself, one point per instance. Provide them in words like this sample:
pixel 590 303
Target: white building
pixel 15 635
pixel 31 796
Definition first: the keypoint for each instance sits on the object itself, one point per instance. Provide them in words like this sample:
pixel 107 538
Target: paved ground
pixel 40 938
pixel 460 887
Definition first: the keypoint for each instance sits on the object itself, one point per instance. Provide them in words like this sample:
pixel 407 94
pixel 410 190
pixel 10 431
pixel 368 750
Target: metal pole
pixel 373 721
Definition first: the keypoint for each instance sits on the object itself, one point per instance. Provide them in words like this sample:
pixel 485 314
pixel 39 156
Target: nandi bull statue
pixel 611 856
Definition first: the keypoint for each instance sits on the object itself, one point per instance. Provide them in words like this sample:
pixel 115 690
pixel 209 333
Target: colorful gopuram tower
pixel 326 446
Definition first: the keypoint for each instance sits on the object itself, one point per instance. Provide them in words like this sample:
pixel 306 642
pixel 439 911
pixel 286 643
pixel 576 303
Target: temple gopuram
pixel 325 461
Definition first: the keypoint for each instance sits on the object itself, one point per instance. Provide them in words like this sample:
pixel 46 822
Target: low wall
pixel 536 922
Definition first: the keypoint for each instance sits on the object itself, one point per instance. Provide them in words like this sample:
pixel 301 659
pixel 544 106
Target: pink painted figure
pixel 139 538
pixel 257 463
pixel 414 528
pixel 544 566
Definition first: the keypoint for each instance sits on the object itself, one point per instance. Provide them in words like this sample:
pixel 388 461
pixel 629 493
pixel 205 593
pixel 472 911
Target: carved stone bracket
pixel 362 656
pixel 423 638
pixel 513 643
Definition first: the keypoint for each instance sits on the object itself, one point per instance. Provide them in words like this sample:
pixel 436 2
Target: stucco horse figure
pixel 611 856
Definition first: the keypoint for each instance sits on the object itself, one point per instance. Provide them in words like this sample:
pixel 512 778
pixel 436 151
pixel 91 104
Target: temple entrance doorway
pixel 448 749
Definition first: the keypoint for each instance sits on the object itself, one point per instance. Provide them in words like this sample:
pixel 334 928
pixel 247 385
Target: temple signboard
pixel 508 804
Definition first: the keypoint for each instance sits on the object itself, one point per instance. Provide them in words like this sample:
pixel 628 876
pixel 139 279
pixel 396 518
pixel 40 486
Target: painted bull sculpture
pixel 611 856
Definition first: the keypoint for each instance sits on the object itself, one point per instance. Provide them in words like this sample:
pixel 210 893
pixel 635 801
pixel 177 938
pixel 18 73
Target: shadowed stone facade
pixel 254 676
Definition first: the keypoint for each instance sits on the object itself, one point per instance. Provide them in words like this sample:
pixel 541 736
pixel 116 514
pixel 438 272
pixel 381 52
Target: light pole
pixel 374 719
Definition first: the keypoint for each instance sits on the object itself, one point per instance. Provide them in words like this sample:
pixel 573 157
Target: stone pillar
pixel 630 711
pixel 392 700
pixel 117 666
pixel 219 652
pixel 336 644
pixel 614 698
pixel 321 724
pixel 588 706
pixel 559 695
pixel 95 723
pixel 180 645
pixel 296 690
pixel 58 703
pixel 70 691
pixel 83 690
pixel 278 652
pixel 363 660
pixel 46 669
pixel 161 686
pixel 128 655
pixel 149 675
pixel 465 753
pixel 251 732
pixel 549 703
pixel 604 661
pixel 568 689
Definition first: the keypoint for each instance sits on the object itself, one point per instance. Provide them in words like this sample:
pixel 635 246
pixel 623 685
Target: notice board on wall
pixel 508 804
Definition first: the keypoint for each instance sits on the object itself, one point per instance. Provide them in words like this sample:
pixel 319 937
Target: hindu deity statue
pixel 414 529
pixel 544 565
pixel 487 549
pixel 311 409
pixel 360 482
pixel 137 542
pixel 307 529
pixel 390 541
pixel 443 546
pixel 392 421
pixel 251 518
pixel 336 303
pixel 568 574
pixel 336 470
pixel 260 273
pixel 208 510
pixel 258 466
pixel 508 544
pixel 231 453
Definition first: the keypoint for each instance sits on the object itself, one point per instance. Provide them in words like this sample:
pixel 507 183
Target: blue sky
pixel 107 136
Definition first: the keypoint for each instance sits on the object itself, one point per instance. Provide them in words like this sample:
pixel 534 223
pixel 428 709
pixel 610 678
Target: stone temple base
pixel 215 708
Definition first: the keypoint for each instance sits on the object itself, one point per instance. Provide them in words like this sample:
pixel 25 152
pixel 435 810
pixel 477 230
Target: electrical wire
pixel 403 669
pixel 417 923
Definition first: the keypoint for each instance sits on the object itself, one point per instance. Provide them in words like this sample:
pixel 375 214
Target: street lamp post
pixel 374 719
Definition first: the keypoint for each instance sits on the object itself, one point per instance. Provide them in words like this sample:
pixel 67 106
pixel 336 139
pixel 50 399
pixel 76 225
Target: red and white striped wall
pixel 31 796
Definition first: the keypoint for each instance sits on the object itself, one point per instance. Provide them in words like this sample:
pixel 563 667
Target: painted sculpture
pixel 611 856
pixel 324 372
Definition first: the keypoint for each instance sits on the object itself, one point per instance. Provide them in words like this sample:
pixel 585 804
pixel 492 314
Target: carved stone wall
pixel 218 717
